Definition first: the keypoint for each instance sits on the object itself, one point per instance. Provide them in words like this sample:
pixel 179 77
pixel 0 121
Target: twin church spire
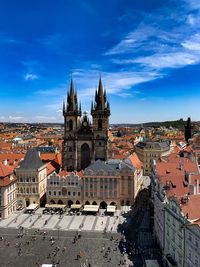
pixel 100 104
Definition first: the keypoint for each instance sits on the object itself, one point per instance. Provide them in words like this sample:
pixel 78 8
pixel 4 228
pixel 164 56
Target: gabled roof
pixel 31 161
pixel 5 170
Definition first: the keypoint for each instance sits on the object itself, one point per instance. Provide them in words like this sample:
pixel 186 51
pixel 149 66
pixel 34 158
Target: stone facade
pixel 149 151
pixel 102 183
pixel 84 142
pixel 31 179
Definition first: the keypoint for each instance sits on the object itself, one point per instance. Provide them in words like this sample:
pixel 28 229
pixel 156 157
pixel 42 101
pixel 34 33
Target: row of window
pixel 28 190
pixel 28 180
pixel 68 183
pixel 59 193
pixel 101 193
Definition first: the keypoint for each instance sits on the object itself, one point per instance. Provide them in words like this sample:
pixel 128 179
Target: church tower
pixel 84 142
pixel 188 130
pixel 72 114
pixel 100 111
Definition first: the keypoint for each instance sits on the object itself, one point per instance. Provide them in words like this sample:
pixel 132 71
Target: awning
pixel 92 208
pixel 56 206
pixel 32 207
pixel 76 206
pixel 111 208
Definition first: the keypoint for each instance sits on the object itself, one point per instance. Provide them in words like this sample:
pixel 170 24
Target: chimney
pixel 197 186
pixel 5 162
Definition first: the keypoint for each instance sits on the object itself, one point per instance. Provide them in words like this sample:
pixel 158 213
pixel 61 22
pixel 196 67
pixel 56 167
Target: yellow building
pixel 149 151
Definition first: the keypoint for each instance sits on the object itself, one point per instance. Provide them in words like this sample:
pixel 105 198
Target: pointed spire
pixel 80 110
pixel 72 104
pixel 92 107
pixel 100 88
pixel 104 93
pixel 96 96
pixel 63 106
pixel 72 89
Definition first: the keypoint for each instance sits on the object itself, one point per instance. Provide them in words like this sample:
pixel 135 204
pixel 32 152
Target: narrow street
pixel 137 238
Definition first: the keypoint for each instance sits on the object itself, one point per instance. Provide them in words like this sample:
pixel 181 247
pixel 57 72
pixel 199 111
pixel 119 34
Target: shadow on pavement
pixel 137 243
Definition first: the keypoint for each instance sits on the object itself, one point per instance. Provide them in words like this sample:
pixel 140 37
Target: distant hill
pixel 176 124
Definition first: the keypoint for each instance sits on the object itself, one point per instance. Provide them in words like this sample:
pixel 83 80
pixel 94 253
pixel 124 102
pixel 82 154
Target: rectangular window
pixel 49 193
pixel 54 192
pixel 69 193
pixel 74 193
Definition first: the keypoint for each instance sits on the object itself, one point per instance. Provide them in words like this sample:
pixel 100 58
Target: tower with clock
pixel 85 141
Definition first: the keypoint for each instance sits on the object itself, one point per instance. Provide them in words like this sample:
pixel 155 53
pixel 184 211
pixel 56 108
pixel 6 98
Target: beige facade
pixel 149 151
pixel 102 183
pixel 8 198
pixel 31 180
pixel 64 188
pixel 31 186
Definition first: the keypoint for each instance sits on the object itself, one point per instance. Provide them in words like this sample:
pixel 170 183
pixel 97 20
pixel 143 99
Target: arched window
pixel 71 125
pixel 99 124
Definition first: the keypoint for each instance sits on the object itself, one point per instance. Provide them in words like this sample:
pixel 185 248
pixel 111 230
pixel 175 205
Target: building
pixel 188 130
pixel 64 188
pixel 84 142
pixel 149 151
pixel 176 196
pixel 31 179
pixel 8 191
pixel 111 182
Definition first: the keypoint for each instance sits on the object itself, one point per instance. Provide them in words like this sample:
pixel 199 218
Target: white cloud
pixel 42 118
pixel 16 118
pixel 30 77
pixel 193 43
pixel 170 60
pixel 132 39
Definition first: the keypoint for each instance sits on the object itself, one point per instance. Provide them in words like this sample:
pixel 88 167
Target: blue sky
pixel 148 54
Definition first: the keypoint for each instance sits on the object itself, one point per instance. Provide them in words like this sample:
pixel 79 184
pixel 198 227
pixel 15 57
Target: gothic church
pixel 84 142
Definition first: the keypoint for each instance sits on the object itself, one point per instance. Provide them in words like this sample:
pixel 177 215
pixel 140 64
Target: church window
pixel 99 124
pixel 70 125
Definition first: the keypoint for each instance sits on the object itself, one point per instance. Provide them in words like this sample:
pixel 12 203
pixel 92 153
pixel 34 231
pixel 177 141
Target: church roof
pixel 99 165
pixel 31 161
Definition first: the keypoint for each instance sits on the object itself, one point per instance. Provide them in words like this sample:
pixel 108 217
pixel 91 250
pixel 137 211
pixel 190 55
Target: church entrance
pixel 85 156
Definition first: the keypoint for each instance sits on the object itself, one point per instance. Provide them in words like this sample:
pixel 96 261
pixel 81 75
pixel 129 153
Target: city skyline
pixel 148 55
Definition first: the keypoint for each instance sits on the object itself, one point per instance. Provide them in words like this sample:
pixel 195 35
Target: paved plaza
pixel 30 248
pixel 66 240
pixel 96 223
